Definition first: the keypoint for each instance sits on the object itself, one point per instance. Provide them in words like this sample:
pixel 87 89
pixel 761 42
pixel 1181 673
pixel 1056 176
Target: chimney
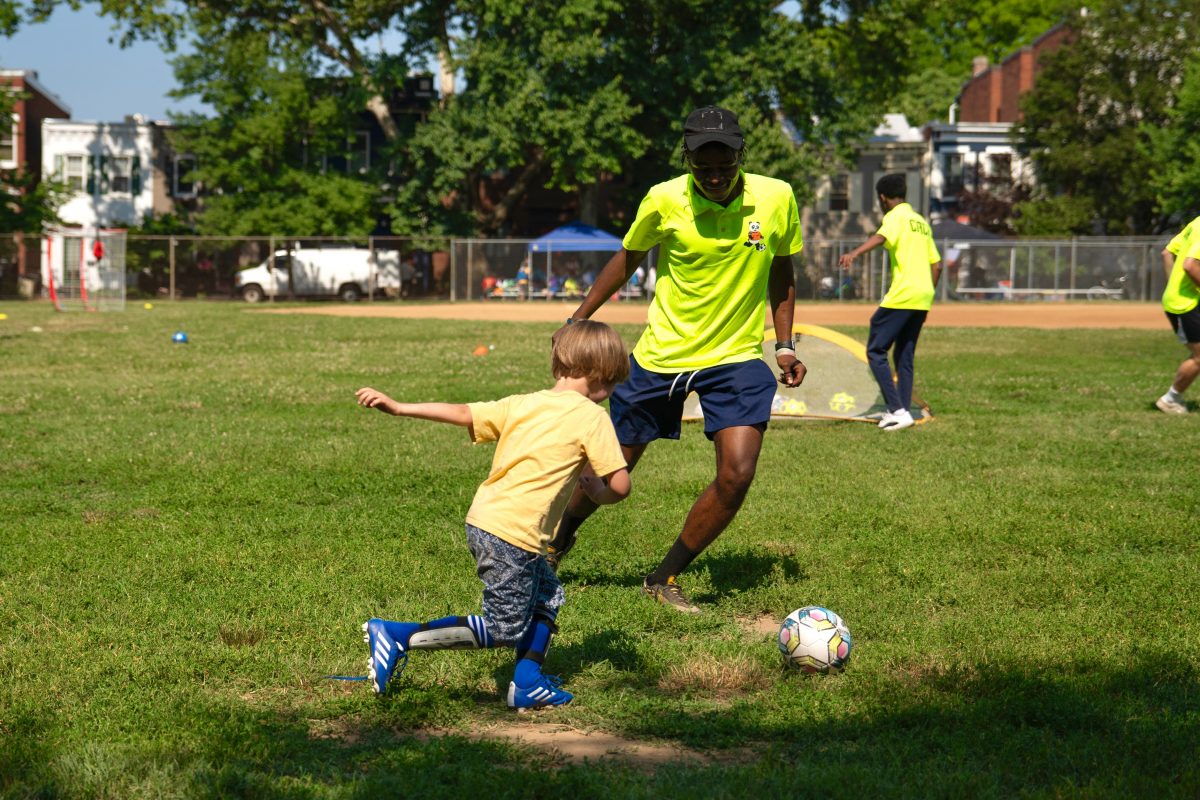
pixel 978 64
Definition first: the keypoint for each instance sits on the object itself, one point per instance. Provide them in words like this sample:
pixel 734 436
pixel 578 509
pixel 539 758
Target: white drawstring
pixel 687 387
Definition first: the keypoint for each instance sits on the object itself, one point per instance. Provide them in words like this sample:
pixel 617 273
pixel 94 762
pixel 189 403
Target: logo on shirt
pixel 755 238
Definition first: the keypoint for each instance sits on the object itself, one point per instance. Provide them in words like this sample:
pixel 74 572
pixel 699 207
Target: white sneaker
pixel 1170 406
pixel 899 421
pixel 887 419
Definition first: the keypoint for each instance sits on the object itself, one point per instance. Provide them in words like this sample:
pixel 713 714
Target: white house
pixel 845 206
pixel 970 156
pixel 119 171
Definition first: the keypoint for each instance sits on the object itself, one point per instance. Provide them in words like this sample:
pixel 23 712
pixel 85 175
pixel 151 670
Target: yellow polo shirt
pixel 1182 294
pixel 542 441
pixel 1179 245
pixel 709 301
pixel 909 242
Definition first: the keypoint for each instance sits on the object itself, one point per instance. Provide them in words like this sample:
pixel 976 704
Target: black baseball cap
pixel 712 124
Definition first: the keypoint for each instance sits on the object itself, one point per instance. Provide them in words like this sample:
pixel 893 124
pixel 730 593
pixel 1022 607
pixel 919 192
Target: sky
pixel 98 81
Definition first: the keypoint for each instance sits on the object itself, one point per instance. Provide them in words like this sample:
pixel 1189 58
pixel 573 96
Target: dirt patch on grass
pixel 762 625
pixel 564 744
pixel 962 315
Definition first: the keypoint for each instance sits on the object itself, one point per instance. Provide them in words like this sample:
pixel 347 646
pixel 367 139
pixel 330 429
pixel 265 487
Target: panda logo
pixel 755 238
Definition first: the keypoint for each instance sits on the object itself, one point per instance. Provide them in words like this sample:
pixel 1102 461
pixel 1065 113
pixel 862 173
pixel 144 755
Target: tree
pixel 1086 121
pixel 1174 149
pixel 262 159
pixel 942 39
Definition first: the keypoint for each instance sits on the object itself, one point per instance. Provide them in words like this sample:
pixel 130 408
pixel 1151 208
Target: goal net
pixel 839 384
pixel 84 269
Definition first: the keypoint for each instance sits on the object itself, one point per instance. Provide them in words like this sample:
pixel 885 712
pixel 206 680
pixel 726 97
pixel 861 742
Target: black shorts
pixel 1186 325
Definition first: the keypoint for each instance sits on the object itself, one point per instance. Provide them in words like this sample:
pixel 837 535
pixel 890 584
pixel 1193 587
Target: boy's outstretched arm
pixel 612 488
pixel 453 413
pixel 846 259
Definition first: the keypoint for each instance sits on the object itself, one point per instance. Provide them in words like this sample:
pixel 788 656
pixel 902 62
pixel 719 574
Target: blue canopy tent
pixel 575 237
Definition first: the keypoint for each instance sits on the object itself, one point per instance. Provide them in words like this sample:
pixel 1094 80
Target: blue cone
pixel 179 338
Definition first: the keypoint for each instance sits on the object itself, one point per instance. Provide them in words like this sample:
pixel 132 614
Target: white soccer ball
pixel 814 639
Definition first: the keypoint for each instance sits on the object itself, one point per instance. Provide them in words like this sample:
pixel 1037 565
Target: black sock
pixel 564 537
pixel 676 561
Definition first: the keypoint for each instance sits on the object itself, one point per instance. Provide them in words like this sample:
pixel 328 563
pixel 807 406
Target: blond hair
pixel 591 350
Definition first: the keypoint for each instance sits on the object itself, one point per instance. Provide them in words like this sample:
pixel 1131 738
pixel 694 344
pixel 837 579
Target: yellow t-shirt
pixel 542 441
pixel 1182 294
pixel 709 301
pixel 909 243
pixel 1179 245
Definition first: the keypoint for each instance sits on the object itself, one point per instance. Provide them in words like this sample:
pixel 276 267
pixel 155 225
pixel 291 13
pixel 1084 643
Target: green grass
pixel 190 536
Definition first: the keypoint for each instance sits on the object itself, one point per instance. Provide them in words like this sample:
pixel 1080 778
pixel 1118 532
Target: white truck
pixel 343 272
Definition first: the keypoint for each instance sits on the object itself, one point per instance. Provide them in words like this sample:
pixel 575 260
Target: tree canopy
pixel 1088 119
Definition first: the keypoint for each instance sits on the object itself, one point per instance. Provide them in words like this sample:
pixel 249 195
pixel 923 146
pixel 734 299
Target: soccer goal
pixel 839 384
pixel 84 269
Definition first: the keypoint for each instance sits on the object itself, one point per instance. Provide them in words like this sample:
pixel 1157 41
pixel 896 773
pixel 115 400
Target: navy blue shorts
pixel 1186 326
pixel 649 405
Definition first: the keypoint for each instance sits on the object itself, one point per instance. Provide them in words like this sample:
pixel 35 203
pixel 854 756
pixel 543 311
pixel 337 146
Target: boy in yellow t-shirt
pixel 546 443
pixel 896 324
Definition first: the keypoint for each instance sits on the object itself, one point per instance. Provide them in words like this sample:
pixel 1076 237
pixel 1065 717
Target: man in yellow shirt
pixel 544 441
pixel 726 238
pixel 1180 300
pixel 896 324
pixel 1178 246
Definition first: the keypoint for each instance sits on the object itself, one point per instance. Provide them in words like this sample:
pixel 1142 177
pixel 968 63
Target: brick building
pixel 993 94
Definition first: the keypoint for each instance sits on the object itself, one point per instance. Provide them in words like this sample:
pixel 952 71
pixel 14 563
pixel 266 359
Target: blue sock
pixel 531 652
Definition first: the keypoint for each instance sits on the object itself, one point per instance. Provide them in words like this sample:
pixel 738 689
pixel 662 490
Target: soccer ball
pixel 814 639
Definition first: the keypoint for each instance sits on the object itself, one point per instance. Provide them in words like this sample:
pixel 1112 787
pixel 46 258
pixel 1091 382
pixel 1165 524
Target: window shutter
pixel 822 203
pixel 135 179
pixel 59 170
pixel 913 184
pixel 93 170
pixel 855 192
pixel 103 174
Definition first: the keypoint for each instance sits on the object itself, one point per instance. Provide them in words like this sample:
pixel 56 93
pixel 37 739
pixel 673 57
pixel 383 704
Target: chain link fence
pixel 1016 270
pixel 1012 270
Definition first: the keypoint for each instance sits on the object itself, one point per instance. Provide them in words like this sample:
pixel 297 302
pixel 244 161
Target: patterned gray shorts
pixel 517 585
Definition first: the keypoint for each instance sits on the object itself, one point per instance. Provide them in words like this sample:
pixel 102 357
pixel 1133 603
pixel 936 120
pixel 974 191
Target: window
pixel 8 144
pixel 183 183
pixel 1000 168
pixel 839 192
pixel 120 175
pixel 75 172
pixel 952 170
pixel 358 156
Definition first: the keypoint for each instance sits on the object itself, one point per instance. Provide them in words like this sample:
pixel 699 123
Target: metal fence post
pixel 271 261
pixel 171 262
pixel 371 269
pixel 1073 263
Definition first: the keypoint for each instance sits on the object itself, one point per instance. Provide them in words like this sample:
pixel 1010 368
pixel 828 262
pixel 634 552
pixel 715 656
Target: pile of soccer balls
pixel 814 639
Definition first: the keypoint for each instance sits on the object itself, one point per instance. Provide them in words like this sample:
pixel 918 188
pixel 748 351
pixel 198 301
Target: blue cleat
pixel 544 692
pixel 386 655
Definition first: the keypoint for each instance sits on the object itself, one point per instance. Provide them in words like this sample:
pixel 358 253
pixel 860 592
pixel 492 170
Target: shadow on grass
pixel 730 571
pixel 978 731
pixel 742 570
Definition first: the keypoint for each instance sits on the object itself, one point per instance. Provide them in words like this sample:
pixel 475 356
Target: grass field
pixel 190 536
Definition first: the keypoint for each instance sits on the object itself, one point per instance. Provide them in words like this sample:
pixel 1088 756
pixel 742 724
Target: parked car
pixel 343 272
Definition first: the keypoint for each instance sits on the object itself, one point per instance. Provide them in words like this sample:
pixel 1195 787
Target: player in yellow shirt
pixel 1180 300
pixel 896 324
pixel 1178 245
pixel 544 441
pixel 726 238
